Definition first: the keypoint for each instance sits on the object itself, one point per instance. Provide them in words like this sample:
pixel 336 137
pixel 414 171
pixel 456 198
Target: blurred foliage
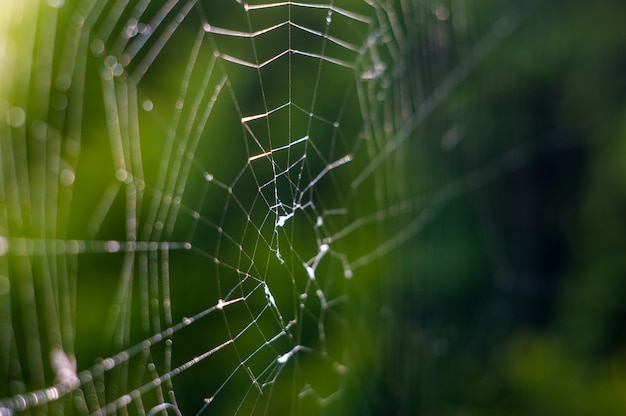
pixel 513 298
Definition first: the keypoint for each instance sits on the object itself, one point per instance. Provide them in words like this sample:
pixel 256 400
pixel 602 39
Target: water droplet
pixel 147 105
pixel 121 175
pixel 57 4
pixel 108 364
pixel 67 177
pixel 109 61
pixel 77 21
pixel 131 28
pixel 16 117
pixel 74 247
pixel 117 69
pixel 63 81
pixel 442 13
pixel 112 246
pixel 144 29
pixel 97 47
pixel 38 129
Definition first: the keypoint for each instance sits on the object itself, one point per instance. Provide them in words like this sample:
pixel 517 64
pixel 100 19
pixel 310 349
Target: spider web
pixel 193 192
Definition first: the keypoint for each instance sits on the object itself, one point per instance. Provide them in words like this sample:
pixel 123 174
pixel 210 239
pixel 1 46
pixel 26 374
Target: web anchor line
pixel 46 395
pixel 44 247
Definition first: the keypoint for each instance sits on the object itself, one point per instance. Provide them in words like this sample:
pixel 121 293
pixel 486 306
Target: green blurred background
pixel 511 302
pixel 511 297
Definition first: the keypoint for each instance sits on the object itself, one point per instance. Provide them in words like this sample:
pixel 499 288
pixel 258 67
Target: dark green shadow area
pixel 511 300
